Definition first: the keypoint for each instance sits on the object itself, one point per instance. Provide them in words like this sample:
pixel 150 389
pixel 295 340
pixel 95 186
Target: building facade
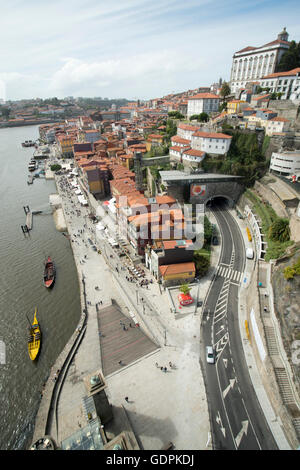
pixel 253 63
pixel 203 103
pixel 287 83
pixel 286 163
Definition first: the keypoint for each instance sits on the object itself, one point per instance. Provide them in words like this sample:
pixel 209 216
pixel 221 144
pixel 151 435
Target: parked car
pixel 185 299
pixel 215 240
pixel 210 355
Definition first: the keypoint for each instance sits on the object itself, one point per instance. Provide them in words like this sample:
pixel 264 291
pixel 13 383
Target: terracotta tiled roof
pixel 212 135
pixel 262 97
pixel 187 127
pixel 180 140
pixel 179 268
pixel 284 74
pixel 193 152
pixel 201 96
pixel 280 119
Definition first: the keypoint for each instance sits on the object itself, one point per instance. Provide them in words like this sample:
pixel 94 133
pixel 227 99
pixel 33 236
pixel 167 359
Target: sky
pixel 134 49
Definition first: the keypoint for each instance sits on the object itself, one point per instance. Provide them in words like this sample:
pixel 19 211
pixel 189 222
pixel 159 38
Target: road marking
pixel 242 432
pixel 221 329
pixel 229 387
pixel 219 422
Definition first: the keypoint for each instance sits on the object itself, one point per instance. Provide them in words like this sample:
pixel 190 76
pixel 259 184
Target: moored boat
pixel 49 273
pixel 32 165
pixel 34 338
pixel 28 143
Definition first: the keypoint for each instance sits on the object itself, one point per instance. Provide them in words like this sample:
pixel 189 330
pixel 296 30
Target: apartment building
pixel 203 103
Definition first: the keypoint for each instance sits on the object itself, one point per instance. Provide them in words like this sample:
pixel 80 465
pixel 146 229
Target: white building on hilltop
pixel 252 63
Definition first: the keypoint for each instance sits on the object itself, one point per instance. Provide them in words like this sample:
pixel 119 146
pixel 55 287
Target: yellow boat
pixel 34 339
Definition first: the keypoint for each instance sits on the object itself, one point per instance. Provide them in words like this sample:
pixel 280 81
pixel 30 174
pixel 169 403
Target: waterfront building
pixel 166 253
pixel 179 273
pixel 65 144
pixel 253 63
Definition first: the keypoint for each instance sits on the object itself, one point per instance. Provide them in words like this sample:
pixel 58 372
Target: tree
pixel 5 112
pixel 208 229
pixel 222 107
pixel 290 59
pixel 175 114
pixel 194 117
pixel 279 230
pixel 225 90
pixel 202 263
pixel 203 117
pixel 185 289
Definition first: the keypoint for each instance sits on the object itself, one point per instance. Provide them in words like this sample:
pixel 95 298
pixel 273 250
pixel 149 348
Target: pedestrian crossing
pixel 228 273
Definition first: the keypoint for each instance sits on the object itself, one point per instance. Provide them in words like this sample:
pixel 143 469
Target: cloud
pixel 124 72
pixel 130 48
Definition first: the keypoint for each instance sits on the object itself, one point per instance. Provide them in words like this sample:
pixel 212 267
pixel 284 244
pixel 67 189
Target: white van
pixel 249 253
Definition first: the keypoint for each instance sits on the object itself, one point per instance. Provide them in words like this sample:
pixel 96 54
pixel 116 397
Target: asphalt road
pixel 237 420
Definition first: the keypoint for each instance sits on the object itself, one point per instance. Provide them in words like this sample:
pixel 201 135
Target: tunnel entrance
pixel 220 202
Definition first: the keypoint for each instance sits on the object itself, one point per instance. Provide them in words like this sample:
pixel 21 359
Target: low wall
pixel 269 195
pixel 263 361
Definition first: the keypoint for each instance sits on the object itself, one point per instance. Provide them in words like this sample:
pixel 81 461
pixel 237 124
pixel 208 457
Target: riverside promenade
pixel 162 406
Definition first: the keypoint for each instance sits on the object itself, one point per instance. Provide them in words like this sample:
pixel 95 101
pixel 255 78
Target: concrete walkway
pixel 162 406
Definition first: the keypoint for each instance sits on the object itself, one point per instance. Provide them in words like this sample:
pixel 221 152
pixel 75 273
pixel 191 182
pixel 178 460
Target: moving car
pixel 210 355
pixel 249 253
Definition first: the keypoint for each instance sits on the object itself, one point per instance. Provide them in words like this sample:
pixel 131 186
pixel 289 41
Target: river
pixel 21 288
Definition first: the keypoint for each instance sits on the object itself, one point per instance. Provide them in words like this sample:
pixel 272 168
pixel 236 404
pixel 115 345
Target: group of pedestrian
pixel 164 368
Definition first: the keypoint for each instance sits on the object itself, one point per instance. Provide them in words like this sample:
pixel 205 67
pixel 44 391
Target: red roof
pixel 178 268
pixel 187 127
pixel 180 140
pixel 207 96
pixel 212 135
pixel 262 97
pixel 283 74
pixel 194 153
pixel 281 119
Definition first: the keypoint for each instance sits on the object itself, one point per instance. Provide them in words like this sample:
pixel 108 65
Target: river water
pixel 21 288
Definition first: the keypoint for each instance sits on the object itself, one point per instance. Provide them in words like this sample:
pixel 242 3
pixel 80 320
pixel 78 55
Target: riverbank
pixel 22 289
pixel 37 122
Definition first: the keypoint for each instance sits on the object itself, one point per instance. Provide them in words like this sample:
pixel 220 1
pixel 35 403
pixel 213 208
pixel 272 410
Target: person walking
pixel 127 399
